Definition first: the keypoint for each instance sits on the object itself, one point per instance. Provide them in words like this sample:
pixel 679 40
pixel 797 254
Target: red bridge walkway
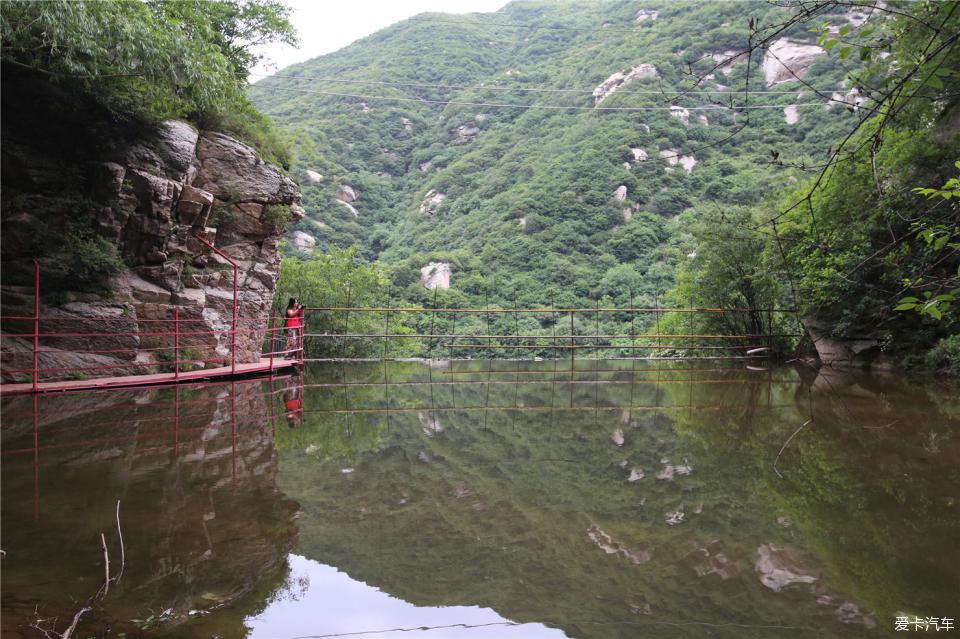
pixel 180 349
pixel 265 365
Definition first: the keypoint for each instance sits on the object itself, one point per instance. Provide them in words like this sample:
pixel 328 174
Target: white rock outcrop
pixel 303 242
pixel 620 79
pixel 407 124
pixel 680 113
pixel 431 201
pixel 729 60
pixel 639 155
pixel 673 158
pixel 788 60
pixel 313 177
pixel 688 162
pixel 466 132
pixel 354 212
pixel 436 275
pixel 346 193
pixel 791 114
pixel 775 569
pixel 647 14
pixel 620 193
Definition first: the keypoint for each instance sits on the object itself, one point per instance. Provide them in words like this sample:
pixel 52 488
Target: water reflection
pixel 205 530
pixel 349 607
pixel 599 499
pixel 648 504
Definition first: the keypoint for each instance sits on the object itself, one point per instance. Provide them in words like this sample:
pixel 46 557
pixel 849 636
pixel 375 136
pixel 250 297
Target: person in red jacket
pixel 293 323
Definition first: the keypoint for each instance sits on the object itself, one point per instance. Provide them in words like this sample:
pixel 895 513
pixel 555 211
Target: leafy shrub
pixel 945 356
pixel 277 216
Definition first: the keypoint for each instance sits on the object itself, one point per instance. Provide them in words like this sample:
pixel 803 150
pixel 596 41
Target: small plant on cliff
pixel 277 216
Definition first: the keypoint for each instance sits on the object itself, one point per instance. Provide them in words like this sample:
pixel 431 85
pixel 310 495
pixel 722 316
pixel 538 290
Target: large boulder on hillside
pixel 620 79
pixel 346 193
pixel 787 60
pixel 436 275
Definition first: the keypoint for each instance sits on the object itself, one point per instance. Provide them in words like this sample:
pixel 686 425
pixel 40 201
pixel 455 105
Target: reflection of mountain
pixel 203 522
pixel 534 514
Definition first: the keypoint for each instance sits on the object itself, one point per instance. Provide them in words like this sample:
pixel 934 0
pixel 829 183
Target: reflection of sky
pixel 333 604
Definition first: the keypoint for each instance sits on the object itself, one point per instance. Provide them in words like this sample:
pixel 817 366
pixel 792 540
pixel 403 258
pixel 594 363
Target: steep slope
pixel 574 193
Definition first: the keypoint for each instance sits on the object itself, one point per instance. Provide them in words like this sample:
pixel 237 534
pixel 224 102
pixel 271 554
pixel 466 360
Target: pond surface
pixel 486 499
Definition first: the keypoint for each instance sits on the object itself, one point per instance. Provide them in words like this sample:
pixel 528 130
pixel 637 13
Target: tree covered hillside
pixel 562 197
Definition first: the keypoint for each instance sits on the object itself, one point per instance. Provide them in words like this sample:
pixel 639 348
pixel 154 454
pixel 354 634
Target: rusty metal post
pixel 36 325
pixel 176 344
pixel 273 336
pixel 176 421
pixel 36 459
pixel 233 332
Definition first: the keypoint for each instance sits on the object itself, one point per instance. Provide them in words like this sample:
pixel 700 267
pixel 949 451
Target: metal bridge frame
pixel 275 358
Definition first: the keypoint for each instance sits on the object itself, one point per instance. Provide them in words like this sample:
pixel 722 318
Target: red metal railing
pixel 117 345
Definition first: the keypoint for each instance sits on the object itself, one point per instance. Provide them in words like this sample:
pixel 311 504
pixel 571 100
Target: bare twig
pixel 106 566
pixel 123 559
pixel 787 443
pixel 73 625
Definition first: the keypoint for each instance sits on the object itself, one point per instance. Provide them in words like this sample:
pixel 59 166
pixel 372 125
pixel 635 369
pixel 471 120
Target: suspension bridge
pixel 51 351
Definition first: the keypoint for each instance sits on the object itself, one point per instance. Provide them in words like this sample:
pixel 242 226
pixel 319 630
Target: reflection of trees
pixel 875 487
pixel 871 483
pixel 205 528
pixel 531 512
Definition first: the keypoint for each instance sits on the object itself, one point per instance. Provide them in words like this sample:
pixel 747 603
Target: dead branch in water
pixel 106 566
pixel 51 633
pixel 787 443
pixel 123 559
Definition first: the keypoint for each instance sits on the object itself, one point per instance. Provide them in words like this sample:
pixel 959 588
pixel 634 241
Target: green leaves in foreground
pixel 938 238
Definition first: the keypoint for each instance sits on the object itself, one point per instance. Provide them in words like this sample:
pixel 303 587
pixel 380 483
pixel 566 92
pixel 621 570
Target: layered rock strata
pixel 157 198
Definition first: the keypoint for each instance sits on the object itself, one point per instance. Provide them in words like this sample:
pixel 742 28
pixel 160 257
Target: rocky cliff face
pixel 158 197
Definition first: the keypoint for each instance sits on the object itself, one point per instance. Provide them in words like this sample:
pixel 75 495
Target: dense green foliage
pixel 529 215
pixel 873 235
pixel 151 60
pixel 338 279
pixel 84 79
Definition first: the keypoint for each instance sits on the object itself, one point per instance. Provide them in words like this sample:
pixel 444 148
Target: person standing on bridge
pixel 293 323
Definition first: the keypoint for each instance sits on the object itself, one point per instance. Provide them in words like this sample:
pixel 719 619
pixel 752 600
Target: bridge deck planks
pixel 155 379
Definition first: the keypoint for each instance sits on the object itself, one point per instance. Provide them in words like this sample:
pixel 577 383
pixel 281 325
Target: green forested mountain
pixel 481 141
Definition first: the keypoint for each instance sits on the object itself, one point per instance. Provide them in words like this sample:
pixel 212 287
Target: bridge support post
pixel 36 325
pixel 273 337
pixel 233 331
pixel 176 343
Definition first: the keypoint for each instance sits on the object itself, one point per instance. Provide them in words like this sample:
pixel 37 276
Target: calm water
pixel 478 499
